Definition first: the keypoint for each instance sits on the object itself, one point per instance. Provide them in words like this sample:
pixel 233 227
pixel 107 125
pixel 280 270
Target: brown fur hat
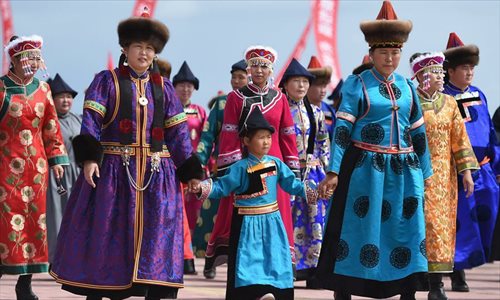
pixel 143 29
pixel 323 74
pixel 386 30
pixel 457 53
pixel 165 68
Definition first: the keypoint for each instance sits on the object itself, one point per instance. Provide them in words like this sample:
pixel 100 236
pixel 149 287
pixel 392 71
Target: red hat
pixel 459 54
pixel 386 31
pixel 261 53
pixel 22 47
pixel 323 74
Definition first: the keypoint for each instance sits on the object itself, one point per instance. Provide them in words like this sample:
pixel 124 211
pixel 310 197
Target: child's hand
pixel 194 186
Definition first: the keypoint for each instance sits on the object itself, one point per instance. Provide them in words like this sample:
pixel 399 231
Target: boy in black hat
pixel 258 238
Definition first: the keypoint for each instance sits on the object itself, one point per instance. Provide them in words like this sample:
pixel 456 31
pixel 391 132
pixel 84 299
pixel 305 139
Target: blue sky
pixel 212 35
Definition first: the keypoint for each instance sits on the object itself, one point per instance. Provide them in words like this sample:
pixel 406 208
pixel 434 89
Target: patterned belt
pixel 118 150
pixel 257 210
pixel 485 160
pixel 381 149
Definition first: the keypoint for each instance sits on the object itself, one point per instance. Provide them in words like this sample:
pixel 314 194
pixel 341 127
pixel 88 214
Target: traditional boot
pixel 436 290
pixel 458 283
pixel 189 267
pixel 93 298
pixel 23 288
pixel 407 296
pixel 341 296
pixel 210 273
pixel 268 296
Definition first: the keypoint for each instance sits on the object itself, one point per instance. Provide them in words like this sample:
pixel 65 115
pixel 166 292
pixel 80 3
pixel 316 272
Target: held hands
pixel 90 168
pixel 468 183
pixel 328 185
pixel 194 186
pixel 58 171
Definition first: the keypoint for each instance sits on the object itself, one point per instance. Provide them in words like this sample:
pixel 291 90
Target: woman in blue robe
pixel 374 244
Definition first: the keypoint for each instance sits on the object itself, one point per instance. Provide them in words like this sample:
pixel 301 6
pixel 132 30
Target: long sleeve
pixel 229 143
pixel 210 131
pixel 493 150
pixel 287 138
pixel 51 135
pixel 349 110
pixel 287 180
pixel 418 134
pixel 323 140
pixel 460 143
pixel 234 180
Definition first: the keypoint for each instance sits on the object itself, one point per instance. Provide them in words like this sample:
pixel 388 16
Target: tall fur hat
pixel 457 53
pixel 323 74
pixel 386 31
pixel 143 29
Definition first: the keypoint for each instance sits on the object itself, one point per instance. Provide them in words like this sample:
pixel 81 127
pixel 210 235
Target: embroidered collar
pixel 18 81
pixel 294 102
pixel 457 89
pixel 426 97
pixel 381 77
pixel 134 75
pixel 257 90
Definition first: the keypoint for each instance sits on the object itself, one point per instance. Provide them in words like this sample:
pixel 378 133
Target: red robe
pixel 274 106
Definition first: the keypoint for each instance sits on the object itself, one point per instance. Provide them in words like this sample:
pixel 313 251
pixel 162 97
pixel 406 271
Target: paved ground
pixel 484 283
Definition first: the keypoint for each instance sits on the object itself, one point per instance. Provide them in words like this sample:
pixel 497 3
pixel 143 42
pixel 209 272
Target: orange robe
pixel 30 143
pixel 451 152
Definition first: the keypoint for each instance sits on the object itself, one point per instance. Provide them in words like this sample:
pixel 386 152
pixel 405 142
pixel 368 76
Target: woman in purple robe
pixel 122 232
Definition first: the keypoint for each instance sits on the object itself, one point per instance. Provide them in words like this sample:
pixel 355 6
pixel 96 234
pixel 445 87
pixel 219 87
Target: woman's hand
pixel 468 183
pixel 58 171
pixel 90 168
pixel 328 185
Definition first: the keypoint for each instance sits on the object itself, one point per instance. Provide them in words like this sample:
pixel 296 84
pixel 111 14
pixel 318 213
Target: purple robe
pixel 113 236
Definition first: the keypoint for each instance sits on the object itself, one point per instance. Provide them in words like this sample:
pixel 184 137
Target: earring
pixel 125 63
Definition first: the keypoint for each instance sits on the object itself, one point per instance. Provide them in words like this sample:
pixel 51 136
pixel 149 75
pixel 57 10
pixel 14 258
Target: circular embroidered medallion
pixel 400 257
pixel 361 159
pixel 397 164
pixel 419 143
pixel 382 88
pixel 386 210
pixel 361 206
pixel 407 136
pixel 372 133
pixel 412 161
pixel 423 249
pixel 378 162
pixel 342 251
pixel 369 256
pixel 342 137
pixel 410 205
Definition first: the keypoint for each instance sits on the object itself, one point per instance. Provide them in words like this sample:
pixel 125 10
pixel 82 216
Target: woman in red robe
pixel 259 92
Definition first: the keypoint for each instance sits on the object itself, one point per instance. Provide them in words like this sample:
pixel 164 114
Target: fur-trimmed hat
pixel 323 74
pixel 261 54
pixel 386 31
pixel 457 53
pixel 165 68
pixel 365 65
pixel 143 29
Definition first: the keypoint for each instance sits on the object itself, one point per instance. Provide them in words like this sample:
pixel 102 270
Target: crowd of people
pixel 378 193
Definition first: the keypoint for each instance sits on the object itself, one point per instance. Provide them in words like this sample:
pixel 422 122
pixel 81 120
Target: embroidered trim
pixel 230 128
pixel 293 164
pixel 228 158
pixel 288 130
pixel 311 194
pixel 417 124
pixel 346 116
pixel 206 188
pixel 175 120
pixel 95 106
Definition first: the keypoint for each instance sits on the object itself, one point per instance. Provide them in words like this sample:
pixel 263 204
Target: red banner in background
pixel 7 31
pixel 139 7
pixel 325 14
pixel 297 52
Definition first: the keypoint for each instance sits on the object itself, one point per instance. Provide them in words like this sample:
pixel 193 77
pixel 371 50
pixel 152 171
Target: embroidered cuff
pixel 206 188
